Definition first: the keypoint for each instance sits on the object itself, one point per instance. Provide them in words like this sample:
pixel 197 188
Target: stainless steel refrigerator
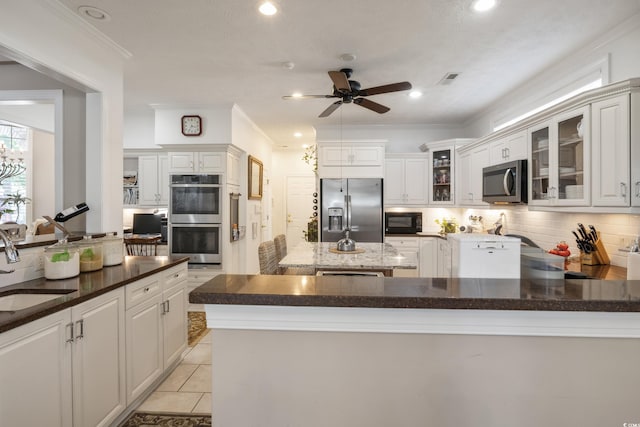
pixel 355 203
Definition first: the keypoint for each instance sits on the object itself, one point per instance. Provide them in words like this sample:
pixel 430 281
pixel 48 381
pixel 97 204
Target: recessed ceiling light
pixel 415 94
pixel 347 57
pixel 298 135
pixel 94 13
pixel 296 95
pixel 268 8
pixel 484 5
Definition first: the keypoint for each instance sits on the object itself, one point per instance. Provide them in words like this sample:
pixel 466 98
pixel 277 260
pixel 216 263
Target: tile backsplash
pixel 617 231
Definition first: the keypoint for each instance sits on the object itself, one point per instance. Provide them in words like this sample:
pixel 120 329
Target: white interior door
pixel 300 191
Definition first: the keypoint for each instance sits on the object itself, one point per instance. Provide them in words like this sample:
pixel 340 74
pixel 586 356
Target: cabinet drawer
pixel 142 290
pixel 175 275
pixel 403 242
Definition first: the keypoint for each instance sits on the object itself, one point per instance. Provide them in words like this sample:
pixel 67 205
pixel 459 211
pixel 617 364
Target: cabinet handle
pixel 146 289
pixel 637 188
pixel 551 193
pixel 623 189
pixel 200 165
pixel 504 153
pixel 70 329
pixel 80 323
pixel 508 151
pixel 176 275
pixel 168 306
pixel 191 165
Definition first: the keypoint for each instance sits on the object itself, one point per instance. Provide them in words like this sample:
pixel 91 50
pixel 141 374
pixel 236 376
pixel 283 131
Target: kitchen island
pixel 356 351
pixel 370 257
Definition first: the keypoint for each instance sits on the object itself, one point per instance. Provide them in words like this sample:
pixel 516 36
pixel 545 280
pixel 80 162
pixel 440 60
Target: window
pixel 16 140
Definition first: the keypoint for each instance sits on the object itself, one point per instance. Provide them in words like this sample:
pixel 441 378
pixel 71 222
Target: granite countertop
pixel 82 287
pixel 421 293
pixel 374 256
pixel 31 241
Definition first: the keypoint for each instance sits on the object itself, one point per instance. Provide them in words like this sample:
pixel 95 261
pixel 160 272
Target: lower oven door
pixel 200 242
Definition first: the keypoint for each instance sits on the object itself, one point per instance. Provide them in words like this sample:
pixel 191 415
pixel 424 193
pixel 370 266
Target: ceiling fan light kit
pixel 350 91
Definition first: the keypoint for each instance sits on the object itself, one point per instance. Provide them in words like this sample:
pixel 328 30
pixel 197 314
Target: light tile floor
pixel 188 388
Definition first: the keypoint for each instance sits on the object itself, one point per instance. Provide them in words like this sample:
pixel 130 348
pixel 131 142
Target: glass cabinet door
pixel 442 176
pixel 570 155
pixel 540 166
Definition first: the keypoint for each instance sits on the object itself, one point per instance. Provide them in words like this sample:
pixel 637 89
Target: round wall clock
pixel 191 125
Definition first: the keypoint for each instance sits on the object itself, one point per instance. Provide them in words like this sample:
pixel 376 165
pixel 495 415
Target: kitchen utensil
pixel 593 233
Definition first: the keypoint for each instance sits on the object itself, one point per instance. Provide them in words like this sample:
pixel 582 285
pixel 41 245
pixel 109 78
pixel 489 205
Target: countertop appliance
pixel 402 222
pixel 354 203
pixel 505 183
pixel 484 256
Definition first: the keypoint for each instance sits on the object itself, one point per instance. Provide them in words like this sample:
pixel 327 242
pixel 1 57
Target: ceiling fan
pixel 349 91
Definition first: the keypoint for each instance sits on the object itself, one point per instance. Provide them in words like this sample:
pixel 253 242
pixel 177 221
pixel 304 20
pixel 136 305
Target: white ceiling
pixel 209 52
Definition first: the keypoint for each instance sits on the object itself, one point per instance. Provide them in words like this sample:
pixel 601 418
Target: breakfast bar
pixel 347 351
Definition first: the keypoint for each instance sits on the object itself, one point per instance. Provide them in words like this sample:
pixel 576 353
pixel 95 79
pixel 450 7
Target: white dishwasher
pixel 484 256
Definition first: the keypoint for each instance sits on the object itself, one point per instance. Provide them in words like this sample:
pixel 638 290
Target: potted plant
pixel 15 200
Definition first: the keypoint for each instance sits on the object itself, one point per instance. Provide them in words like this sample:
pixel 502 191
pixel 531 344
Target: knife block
pixel 599 257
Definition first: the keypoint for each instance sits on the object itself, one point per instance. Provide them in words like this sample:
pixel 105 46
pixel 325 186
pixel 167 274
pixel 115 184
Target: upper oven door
pixel 195 201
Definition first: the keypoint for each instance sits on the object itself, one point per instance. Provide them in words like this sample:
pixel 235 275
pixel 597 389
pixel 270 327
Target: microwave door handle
pixel 505 182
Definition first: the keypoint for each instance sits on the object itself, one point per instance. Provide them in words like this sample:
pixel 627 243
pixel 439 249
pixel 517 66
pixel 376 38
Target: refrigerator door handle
pixel 347 204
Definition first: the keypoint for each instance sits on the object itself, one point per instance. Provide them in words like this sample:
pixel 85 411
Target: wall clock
pixel 191 125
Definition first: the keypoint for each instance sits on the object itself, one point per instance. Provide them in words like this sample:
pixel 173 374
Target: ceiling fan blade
pixel 308 96
pixel 394 87
pixel 340 80
pixel 333 107
pixel 373 106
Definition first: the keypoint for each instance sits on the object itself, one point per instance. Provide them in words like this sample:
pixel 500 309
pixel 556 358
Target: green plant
pixel 447 225
pixel 310 157
pixel 16 200
pixel 311 235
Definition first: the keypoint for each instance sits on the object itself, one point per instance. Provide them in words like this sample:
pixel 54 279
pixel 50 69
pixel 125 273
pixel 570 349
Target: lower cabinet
pixel 428 257
pixel 444 258
pixel 66 369
pixel 405 245
pixel 197 277
pixel 156 325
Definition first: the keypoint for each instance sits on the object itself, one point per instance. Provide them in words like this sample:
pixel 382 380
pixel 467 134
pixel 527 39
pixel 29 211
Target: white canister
pixel 112 249
pixel 61 261
pixel 90 254
pixel 633 266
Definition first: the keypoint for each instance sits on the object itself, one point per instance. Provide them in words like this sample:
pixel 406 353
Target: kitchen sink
pixel 20 301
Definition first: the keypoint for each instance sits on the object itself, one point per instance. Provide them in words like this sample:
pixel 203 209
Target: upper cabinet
pixel 405 181
pixel 508 148
pixel 442 176
pixel 197 162
pixel 146 179
pixel 611 152
pixel 559 159
pixel 350 160
pixel 470 163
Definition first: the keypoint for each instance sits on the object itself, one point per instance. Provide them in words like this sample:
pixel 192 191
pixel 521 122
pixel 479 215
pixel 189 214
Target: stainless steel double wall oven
pixel 195 218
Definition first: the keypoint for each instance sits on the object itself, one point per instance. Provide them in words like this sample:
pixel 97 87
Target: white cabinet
pixel 508 148
pixel 351 160
pixel 428 256
pixel 197 277
pixel 559 160
pixel 233 169
pixel 444 258
pixel 35 368
pixel 66 369
pixel 406 246
pixel 153 180
pixel 406 179
pixel 200 162
pixel 469 177
pixel 635 149
pixel 442 176
pixel 98 360
pixel 611 151
pixel 156 325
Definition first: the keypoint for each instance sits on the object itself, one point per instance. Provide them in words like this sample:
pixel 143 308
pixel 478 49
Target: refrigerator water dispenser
pixel 335 219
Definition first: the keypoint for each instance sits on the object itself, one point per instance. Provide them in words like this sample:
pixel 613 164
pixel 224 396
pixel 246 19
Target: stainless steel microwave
pixel 402 222
pixel 505 183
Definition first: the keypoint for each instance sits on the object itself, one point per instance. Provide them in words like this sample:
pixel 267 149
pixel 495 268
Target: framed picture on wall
pixel 255 179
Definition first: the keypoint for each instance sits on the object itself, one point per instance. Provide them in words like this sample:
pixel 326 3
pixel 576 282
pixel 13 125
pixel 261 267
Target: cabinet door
pixel 99 360
pixel 233 169
pixel 610 141
pixel 572 155
pixel 163 180
pixel 210 162
pixel 539 164
pixel 428 257
pixel 444 258
pixel 469 178
pixel 181 162
pixel 516 146
pixel 441 180
pixel 334 155
pixel 415 181
pixel 366 156
pixel 394 182
pixel 35 373
pixel 148 180
pixel 144 346
pixel 174 323
pixel 498 151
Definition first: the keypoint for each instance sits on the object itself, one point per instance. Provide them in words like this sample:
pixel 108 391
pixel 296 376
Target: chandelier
pixel 12 163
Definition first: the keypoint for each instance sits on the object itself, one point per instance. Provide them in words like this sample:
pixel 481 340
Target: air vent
pixel 448 78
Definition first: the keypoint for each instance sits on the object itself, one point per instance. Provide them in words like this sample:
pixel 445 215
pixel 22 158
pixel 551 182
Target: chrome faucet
pixel 10 251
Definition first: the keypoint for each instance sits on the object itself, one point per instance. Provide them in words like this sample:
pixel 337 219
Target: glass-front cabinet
pixel 442 177
pixel 559 160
